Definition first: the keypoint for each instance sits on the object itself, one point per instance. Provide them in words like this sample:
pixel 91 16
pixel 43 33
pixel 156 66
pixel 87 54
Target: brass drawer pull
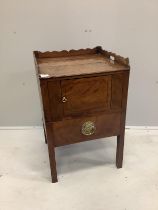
pixel 88 128
pixel 64 99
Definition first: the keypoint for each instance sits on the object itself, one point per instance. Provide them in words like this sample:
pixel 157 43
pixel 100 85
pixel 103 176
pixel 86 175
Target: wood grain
pixel 86 95
pixel 70 66
pixel 79 62
pixel 120 137
pixel 69 131
pixel 54 90
pixel 94 85
pixel 116 91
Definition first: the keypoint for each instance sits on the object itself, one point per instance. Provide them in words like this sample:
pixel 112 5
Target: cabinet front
pixel 86 95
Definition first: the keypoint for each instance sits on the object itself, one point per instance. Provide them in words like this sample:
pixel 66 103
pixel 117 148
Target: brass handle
pixel 64 99
pixel 88 128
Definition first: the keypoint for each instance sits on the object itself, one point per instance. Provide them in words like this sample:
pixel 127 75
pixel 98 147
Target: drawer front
pixel 86 95
pixel 86 128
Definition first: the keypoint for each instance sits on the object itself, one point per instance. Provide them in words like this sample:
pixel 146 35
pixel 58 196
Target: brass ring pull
pixel 88 128
pixel 64 99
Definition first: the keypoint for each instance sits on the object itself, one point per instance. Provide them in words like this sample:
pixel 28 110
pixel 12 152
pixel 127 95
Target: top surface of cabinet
pixel 78 62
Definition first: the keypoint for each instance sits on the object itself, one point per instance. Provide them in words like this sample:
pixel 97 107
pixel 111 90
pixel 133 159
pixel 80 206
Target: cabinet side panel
pixel 43 92
pixel 125 89
pixel 45 100
pixel 124 100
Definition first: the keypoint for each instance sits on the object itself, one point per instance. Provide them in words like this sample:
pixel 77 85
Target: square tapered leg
pixel 119 152
pixel 51 150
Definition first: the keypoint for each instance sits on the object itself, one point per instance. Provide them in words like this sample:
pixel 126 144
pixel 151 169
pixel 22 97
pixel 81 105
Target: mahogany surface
pixel 85 64
pixel 69 131
pixel 78 87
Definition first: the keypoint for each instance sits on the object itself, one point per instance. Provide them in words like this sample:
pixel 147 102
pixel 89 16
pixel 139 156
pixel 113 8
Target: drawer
pixel 86 128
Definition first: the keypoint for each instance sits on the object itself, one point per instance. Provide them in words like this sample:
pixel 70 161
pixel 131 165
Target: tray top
pixel 59 64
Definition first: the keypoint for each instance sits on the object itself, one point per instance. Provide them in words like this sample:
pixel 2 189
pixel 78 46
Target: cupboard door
pixel 86 95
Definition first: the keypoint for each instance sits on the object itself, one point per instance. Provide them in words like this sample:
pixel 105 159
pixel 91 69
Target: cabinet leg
pixel 45 136
pixel 45 133
pixel 51 150
pixel 119 152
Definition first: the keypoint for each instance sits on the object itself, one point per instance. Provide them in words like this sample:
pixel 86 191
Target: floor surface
pixel 88 178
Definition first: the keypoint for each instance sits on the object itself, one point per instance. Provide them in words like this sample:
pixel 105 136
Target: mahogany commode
pixel 84 97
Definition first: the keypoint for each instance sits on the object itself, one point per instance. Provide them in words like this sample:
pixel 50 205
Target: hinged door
pixel 86 95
